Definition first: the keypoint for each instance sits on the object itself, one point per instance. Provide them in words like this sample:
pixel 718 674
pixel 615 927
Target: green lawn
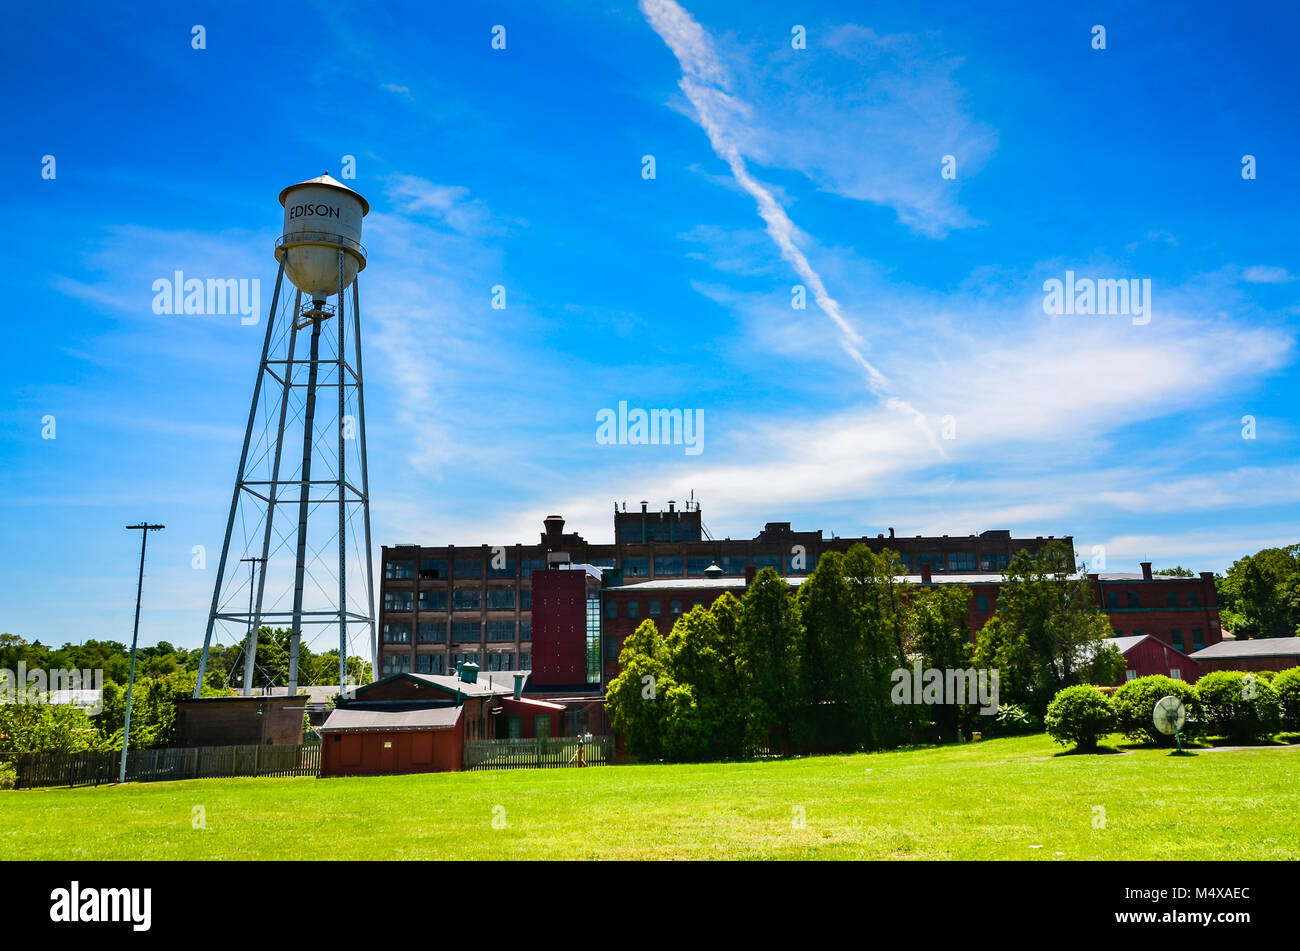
pixel 999 799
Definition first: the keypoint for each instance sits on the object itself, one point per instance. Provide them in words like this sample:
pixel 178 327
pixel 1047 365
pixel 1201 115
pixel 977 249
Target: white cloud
pixel 1267 274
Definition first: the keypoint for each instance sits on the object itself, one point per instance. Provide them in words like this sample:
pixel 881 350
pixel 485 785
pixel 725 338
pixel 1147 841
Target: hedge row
pixel 1240 706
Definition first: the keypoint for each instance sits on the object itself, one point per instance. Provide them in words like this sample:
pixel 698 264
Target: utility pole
pixel 250 652
pixel 144 528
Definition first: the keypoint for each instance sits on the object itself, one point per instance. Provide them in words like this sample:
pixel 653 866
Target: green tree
pixel 940 616
pixel 1002 647
pixel 1080 715
pixel 768 658
pixel 635 699
pixel 1260 594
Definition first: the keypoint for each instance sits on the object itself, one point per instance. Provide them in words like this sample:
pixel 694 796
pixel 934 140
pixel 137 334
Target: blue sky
pixel 774 167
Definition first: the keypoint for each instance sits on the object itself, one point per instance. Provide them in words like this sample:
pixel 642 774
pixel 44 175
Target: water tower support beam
pixel 239 481
pixel 343 502
pixel 250 659
pixel 300 565
pixel 365 474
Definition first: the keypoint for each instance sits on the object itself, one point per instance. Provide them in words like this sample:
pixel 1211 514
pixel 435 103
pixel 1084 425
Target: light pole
pixel 250 652
pixel 144 528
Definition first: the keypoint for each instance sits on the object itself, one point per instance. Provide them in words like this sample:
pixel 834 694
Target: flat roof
pixel 392 717
pixel 938 577
pixel 1259 647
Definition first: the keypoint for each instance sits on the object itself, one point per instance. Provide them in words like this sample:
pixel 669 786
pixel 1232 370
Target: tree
pixel 1178 571
pixel 1044 599
pixel 1260 594
pixel 1080 715
pixel 768 659
pixel 943 641
pixel 30 724
pixel 706 710
pixel 1002 647
pixel 635 698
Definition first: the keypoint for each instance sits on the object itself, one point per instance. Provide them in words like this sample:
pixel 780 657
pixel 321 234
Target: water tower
pixel 300 514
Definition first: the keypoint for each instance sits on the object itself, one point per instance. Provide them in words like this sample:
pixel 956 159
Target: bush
pixel 1136 700
pixel 1010 720
pixel 8 775
pixel 1080 715
pixel 1287 686
pixel 1237 705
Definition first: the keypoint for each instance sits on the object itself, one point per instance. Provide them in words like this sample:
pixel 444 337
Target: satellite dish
pixel 1169 715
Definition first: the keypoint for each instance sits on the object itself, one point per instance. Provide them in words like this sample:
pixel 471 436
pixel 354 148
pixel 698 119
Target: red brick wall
pixel 559 628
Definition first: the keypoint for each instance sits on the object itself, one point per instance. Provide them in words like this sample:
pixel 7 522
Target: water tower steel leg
pixel 365 474
pixel 308 426
pixel 239 481
pixel 343 502
pixel 250 661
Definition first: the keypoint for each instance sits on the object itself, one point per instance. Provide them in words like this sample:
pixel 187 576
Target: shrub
pixel 8 775
pixel 1237 705
pixel 1080 715
pixel 1287 686
pixel 1136 700
pixel 1011 720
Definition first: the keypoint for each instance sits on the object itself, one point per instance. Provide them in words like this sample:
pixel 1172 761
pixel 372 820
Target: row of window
pixel 436 632
pixel 1175 637
pixel 436 569
pixel 462 599
pixel 632 609
pixel 438 663
pixel 659 531
pixel 1171 599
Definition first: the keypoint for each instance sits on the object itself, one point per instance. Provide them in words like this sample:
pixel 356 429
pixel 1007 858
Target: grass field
pixel 999 799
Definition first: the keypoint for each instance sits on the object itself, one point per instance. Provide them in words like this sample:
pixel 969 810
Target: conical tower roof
pixel 329 181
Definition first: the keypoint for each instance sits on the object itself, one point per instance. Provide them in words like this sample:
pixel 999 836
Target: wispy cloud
pixel 706 84
pixel 1267 274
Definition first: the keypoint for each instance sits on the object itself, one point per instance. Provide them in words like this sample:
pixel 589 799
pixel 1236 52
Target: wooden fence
pixel 542 753
pixel 143 766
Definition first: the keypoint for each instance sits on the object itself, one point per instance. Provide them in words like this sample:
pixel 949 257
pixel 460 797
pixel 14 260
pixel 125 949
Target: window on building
pixel 430 663
pixel 465 631
pixel 433 569
pixel 514 728
pixel 629 531
pixel 668 565
pixel 576 721
pixel 466 599
pixel 931 558
pixel 636 566
pixel 634 609
pixel 1112 599
pixel 657 531
pixel 687 531
pixel 1176 638
pixel 611 610
pixel 525 661
pixel 396 664
pixel 801 564
pixel 695 565
pixel 1137 632
pixel 432 632
pixel 612 647
pixel 1175 673
pixel 734 564
pixel 399 570
pixel 500 660
pixel 469 658
pixel 993 561
pixel 675 607
pixel 397 633
pixel 654 608
pixel 696 604
pixel 468 568
pixel 1171 599
pixel 502 567
pixel 398 600
pixel 525 599
pixel 500 630
pixel 767 561
pixel 593 640
pixel 1198 639
pixel 1193 599
pixel 542 726
pixel 1130 675
pixel 433 600
pixel 529 565
pixel 981 603
pixel 525 630
pixel 1133 599
pixel 961 561
pixel 501 599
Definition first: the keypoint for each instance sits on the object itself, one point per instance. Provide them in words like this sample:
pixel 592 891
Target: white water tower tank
pixel 321 216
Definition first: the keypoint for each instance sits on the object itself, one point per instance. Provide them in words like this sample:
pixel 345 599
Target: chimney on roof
pixel 891 531
pixel 519 686
pixel 713 571
pixel 926 577
pixel 1146 571
pixel 554 531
